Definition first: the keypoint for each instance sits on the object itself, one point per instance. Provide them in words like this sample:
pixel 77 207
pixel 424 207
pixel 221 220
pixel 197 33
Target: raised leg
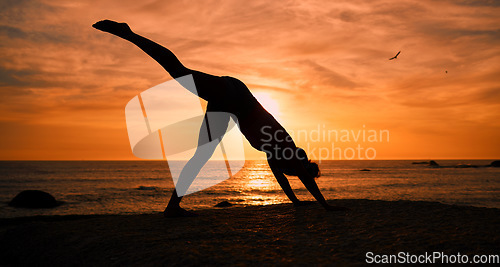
pixel 209 87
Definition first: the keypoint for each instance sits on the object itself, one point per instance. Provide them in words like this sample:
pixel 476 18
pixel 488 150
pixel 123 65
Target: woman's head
pixel 311 167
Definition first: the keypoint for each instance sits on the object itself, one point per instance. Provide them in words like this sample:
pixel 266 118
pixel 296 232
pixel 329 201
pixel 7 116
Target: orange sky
pixel 64 85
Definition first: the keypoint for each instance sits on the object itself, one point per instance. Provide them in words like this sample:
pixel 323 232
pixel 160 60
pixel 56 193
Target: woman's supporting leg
pixel 186 178
pixel 212 131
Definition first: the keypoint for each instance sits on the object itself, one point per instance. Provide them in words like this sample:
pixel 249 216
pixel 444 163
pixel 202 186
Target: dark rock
pixel 223 204
pixel 495 163
pixel 34 199
pixel 466 166
pixel 433 163
pixel 365 170
pixel 420 162
pixel 146 188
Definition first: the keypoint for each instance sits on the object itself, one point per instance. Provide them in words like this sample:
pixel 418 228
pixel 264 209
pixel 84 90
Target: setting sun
pixel 268 103
pixel 309 64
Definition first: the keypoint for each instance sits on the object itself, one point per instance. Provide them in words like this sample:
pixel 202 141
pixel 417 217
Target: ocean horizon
pixel 139 187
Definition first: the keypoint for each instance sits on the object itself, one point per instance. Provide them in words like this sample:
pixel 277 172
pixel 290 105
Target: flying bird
pixel 396 56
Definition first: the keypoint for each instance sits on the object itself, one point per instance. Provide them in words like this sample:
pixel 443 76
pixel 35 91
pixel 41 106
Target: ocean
pixel 138 187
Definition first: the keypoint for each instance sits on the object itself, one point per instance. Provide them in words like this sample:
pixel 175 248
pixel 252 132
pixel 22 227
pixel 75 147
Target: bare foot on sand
pixel 178 212
pixel 113 27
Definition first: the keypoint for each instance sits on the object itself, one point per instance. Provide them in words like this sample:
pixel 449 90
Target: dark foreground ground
pixel 270 235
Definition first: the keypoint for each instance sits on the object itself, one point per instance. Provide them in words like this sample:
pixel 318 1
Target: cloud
pixel 15 77
pixel 327 77
pixel 480 3
pixel 12 32
pixel 326 59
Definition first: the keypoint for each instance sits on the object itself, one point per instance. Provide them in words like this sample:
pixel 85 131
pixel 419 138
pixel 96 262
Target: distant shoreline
pixel 273 234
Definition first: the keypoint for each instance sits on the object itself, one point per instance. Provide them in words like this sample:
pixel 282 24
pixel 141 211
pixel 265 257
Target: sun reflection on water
pixel 259 185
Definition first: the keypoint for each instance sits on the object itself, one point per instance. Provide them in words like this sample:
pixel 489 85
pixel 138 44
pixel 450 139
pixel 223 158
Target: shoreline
pixel 272 234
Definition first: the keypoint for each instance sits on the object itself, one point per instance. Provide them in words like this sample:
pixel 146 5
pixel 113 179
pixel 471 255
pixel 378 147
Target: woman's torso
pixel 260 128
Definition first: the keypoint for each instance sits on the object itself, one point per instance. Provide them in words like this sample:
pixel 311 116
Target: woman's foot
pixel 113 27
pixel 178 212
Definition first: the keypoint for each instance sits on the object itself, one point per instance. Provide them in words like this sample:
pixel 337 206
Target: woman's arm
pixel 285 185
pixel 312 187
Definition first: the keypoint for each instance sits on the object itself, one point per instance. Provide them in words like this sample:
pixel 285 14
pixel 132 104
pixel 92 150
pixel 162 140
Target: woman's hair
pixel 311 167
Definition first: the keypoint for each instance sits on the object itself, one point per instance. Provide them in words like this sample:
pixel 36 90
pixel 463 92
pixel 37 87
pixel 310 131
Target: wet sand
pixel 274 234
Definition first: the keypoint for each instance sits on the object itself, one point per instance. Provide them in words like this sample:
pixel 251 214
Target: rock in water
pixel 466 166
pixel 34 199
pixel 432 163
pixel 223 204
pixel 146 188
pixel 495 163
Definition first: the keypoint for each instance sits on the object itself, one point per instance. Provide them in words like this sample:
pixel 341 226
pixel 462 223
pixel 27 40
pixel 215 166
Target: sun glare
pixel 268 103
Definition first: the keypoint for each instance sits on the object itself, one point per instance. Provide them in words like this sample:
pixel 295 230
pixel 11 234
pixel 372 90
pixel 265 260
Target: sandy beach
pixel 273 234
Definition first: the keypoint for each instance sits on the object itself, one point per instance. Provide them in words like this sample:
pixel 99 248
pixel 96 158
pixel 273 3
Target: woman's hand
pixel 119 29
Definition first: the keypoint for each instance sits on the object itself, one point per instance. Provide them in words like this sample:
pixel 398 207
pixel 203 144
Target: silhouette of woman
pixel 227 94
